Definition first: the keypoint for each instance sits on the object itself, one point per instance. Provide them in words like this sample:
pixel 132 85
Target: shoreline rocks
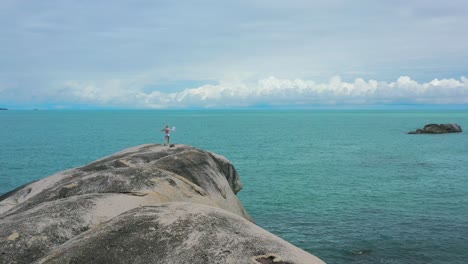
pixel 438 129
pixel 146 204
pixel 177 233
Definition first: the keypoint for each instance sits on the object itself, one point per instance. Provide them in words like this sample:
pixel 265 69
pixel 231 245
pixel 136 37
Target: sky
pixel 158 54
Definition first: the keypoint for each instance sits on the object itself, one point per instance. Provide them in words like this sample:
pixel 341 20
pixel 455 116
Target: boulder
pixel 47 221
pixel 176 233
pixel 438 129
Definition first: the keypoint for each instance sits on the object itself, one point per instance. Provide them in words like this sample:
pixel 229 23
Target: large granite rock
pixel 438 129
pixel 147 204
pixel 178 233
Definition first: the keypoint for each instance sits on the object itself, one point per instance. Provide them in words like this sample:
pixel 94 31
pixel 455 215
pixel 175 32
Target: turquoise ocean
pixel 347 186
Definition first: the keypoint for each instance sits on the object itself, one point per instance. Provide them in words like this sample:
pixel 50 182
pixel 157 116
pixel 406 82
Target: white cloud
pixel 268 91
pixel 188 40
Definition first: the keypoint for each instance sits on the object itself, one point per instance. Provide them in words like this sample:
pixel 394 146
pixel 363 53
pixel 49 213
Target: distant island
pixel 3 108
pixel 438 129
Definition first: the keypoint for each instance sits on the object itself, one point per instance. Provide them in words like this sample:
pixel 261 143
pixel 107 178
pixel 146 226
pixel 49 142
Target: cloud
pixel 300 38
pixel 272 91
pixel 113 52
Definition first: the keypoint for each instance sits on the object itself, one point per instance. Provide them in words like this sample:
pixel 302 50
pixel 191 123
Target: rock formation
pixel 438 129
pixel 147 204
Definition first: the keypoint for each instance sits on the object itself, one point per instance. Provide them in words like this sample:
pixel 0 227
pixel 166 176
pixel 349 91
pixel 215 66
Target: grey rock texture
pixel 178 233
pixel 141 205
pixel 438 129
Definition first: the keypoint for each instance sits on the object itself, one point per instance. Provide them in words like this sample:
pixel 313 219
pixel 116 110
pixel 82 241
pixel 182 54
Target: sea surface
pixel 347 186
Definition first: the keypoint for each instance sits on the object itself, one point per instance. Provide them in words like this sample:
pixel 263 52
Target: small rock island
pixel 146 204
pixel 438 129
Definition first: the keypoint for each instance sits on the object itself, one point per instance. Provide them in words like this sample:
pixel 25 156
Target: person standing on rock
pixel 168 135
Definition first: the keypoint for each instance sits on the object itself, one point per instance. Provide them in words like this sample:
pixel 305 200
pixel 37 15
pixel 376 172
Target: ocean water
pixel 347 186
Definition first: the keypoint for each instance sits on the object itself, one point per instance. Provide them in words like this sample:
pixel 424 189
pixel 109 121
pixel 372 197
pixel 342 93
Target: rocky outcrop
pixel 147 204
pixel 178 233
pixel 438 129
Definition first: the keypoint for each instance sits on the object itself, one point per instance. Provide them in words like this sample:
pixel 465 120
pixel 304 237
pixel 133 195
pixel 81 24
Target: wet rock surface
pixel 146 204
